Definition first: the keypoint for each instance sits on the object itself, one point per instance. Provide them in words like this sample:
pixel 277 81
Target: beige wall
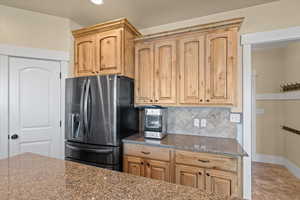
pixel 265 17
pixel 269 138
pixel 31 29
pixel 274 66
pixel 292 108
pixel 268 66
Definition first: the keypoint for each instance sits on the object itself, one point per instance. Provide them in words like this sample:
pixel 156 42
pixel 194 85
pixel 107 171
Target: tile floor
pixel 273 182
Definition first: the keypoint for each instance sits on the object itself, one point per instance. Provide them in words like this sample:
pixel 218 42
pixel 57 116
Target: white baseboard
pixel 294 169
pixel 268 159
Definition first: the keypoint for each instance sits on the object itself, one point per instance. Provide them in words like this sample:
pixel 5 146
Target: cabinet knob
pixel 200 173
pixel 201 100
pixel 207 174
pixel 156 100
pixel 148 164
pixel 142 163
pixel 151 100
pixel 207 100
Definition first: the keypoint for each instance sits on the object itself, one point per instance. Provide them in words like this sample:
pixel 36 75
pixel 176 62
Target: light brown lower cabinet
pixel 212 173
pixel 134 165
pixel 212 181
pixel 190 176
pixel 221 182
pixel 154 169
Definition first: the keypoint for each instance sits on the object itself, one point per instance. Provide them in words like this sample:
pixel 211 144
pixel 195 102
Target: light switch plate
pixel 235 117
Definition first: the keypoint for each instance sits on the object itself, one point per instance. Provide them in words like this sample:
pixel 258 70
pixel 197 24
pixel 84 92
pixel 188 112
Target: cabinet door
pixel 165 72
pixel 221 182
pixel 190 176
pixel 220 67
pixel 144 73
pixel 157 170
pixel 133 165
pixel 109 52
pixel 84 56
pixel 192 75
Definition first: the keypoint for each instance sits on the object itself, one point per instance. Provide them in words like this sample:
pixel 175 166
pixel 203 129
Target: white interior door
pixel 34 107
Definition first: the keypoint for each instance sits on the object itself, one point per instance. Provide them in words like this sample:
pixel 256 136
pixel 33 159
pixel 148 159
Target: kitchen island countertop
pixel 29 176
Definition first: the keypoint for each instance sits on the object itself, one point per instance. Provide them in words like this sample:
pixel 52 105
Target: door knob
pixel 14 137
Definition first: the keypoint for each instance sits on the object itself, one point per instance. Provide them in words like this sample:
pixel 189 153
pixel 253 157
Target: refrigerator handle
pixel 85 107
pixel 82 106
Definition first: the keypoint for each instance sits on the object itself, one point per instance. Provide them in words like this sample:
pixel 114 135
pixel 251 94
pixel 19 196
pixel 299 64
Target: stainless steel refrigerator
pixel 99 113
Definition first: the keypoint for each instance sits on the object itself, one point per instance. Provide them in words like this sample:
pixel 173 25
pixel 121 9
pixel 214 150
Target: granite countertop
pixel 223 146
pixel 29 176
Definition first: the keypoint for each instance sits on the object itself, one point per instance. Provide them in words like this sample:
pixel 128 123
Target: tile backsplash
pixel 181 121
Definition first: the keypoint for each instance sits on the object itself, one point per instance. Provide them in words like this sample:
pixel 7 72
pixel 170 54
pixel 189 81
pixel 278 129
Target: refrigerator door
pixel 101 110
pixel 74 118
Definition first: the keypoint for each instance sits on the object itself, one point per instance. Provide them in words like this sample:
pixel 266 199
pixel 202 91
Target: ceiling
pixel 141 13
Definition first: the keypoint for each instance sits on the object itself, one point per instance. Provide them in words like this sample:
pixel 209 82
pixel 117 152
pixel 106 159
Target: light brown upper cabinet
pixel 196 66
pixel 144 73
pixel 106 48
pixel 155 72
pixel 192 71
pixel 108 55
pixel 165 76
pixel 84 55
pixel 221 50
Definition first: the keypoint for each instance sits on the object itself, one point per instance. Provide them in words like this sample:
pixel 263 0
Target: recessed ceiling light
pixel 98 2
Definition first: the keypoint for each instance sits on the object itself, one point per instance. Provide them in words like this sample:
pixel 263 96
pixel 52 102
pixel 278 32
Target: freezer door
pixel 101 110
pixel 101 155
pixel 74 118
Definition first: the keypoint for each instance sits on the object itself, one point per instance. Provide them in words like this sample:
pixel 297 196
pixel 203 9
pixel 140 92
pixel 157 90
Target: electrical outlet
pixel 235 117
pixel 196 123
pixel 203 123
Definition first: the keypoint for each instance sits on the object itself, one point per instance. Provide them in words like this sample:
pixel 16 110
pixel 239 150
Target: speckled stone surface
pixel 33 177
pixel 222 146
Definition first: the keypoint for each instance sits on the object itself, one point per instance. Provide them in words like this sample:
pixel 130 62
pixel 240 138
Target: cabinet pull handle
pixel 204 161
pixel 147 153
pixel 207 174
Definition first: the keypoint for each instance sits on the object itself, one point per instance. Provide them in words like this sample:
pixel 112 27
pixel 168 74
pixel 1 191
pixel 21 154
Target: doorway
pixel 32 93
pixel 275 148
pixel 250 42
pixel 34 107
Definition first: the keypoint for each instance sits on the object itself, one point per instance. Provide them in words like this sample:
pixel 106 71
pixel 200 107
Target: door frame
pixel 7 51
pixel 248 41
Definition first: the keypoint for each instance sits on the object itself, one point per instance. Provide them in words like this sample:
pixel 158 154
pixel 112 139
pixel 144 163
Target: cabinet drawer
pixel 206 160
pixel 144 151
